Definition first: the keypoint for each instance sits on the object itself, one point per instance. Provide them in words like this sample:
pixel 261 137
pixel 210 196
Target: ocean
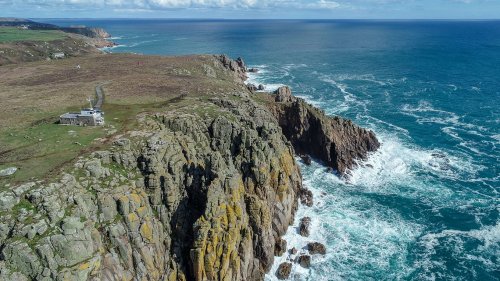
pixel 426 205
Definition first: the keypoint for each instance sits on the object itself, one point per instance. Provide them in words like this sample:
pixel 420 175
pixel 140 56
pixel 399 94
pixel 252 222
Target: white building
pixel 86 117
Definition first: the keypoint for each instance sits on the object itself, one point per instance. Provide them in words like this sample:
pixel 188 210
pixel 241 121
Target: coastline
pixel 278 175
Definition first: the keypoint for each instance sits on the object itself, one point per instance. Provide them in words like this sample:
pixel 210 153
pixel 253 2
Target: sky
pixel 253 9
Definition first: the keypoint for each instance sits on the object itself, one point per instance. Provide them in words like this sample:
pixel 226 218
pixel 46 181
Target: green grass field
pixel 13 34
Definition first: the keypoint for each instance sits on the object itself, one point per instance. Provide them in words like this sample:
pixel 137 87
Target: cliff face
pixel 197 194
pixel 336 141
pixel 180 198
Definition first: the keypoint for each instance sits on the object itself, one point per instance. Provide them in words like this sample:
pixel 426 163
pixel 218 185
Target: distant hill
pixel 23 40
pixel 92 32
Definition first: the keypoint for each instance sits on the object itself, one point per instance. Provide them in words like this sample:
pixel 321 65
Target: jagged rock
pixel 8 200
pixel 241 63
pixel 253 70
pixel 280 247
pixel 284 271
pixel 306 159
pixel 316 248
pixel 284 94
pixel 304 225
pixel 336 141
pixel 306 197
pixel 252 87
pixel 237 66
pixel 261 87
pixel 185 197
pixel 304 261
pixel 95 168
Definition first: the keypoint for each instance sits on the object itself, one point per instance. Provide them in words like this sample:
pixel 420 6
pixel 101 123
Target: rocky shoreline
pixel 182 196
pixel 335 141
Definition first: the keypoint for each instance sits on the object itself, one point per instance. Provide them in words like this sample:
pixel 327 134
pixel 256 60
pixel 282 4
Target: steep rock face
pixel 336 141
pixel 183 198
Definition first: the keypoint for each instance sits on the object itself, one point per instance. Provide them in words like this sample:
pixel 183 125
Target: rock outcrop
pixel 316 248
pixel 181 196
pixel 304 225
pixel 284 271
pixel 284 94
pixel 237 66
pixel 280 247
pixel 304 261
pixel 336 141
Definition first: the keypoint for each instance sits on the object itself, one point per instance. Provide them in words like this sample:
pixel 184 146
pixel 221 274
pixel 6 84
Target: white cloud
pixel 322 4
pixel 176 4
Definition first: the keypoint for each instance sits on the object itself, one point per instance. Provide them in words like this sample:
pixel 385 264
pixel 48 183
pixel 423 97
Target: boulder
pixel 316 248
pixel 8 171
pixel 253 70
pixel 251 87
pixel 306 197
pixel 284 94
pixel 293 251
pixel 284 271
pixel 261 87
pixel 304 261
pixel 280 247
pixel 304 225
pixel 8 200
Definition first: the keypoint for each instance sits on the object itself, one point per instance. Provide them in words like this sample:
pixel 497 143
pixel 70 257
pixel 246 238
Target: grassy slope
pixel 14 34
pixel 38 92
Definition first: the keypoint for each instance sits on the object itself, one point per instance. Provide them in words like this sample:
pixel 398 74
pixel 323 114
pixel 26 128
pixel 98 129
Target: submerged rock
pixel 284 271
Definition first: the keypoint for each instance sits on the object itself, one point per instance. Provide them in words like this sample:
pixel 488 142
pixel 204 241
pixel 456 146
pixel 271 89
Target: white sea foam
pixel 259 77
pixel 350 100
pixel 142 43
pixel 110 49
pixel 487 247
pixel 355 239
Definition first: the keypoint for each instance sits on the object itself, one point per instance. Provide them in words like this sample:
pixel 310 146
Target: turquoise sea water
pixel 426 205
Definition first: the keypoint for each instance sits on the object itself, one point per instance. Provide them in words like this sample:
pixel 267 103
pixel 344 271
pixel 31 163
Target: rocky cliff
pixel 203 194
pixel 336 141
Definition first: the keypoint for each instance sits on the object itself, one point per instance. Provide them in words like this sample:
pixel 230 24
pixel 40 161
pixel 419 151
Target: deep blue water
pixel 427 205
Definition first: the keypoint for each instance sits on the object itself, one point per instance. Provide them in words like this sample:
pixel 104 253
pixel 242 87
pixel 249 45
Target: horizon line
pixel 236 19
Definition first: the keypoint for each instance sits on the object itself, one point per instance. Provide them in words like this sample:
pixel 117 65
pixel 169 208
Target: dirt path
pixel 100 96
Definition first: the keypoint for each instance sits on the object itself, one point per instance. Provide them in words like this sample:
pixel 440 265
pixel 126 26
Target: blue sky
pixel 311 9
